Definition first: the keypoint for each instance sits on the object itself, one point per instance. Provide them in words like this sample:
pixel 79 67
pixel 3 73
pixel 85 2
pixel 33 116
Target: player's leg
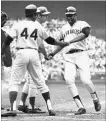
pixel 30 89
pixel 84 71
pixel 35 70
pixel 69 75
pixel 22 105
pixel 33 93
pixel 17 74
pixel 25 90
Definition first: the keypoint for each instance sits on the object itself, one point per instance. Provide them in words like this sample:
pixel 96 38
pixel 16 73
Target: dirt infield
pixel 63 105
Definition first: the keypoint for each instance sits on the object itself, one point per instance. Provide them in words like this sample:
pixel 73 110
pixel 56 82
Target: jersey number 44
pixel 32 35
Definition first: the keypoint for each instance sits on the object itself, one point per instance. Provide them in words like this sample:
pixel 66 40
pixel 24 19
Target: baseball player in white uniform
pixel 76 58
pixel 29 85
pixel 27 33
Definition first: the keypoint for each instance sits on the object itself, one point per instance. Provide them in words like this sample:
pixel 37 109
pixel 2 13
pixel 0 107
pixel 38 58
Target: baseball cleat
pixel 9 113
pixel 97 105
pixel 51 113
pixel 36 110
pixel 23 108
pixel 81 111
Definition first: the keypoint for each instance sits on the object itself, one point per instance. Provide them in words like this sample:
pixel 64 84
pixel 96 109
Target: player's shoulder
pixel 80 22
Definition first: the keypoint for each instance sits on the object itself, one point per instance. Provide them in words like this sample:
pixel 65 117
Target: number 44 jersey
pixel 27 33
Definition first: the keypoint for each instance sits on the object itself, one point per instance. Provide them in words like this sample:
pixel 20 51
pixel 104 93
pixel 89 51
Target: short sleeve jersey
pixel 70 32
pixel 27 33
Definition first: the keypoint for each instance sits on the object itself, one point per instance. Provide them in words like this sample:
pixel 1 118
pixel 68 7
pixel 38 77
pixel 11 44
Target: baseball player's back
pixel 27 33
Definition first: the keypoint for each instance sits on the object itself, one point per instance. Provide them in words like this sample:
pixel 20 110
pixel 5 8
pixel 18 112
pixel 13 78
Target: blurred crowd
pixel 55 67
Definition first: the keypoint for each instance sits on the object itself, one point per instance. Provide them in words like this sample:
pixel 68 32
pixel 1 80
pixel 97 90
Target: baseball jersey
pixel 27 33
pixel 70 32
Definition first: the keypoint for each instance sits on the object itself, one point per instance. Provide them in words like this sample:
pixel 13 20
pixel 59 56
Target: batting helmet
pixel 43 10
pixel 70 10
pixel 30 10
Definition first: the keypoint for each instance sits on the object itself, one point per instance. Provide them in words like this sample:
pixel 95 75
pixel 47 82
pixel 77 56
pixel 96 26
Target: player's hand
pixel 50 56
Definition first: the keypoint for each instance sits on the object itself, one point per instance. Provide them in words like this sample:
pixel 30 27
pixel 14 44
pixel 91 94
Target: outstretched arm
pixel 59 48
pixel 84 34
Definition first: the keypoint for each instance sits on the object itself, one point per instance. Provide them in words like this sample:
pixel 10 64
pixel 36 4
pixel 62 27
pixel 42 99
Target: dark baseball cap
pixel 70 10
pixel 30 9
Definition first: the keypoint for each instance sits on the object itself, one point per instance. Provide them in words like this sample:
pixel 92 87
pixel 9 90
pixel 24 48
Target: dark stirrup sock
pixel 46 96
pixel 12 96
pixel 24 97
pixel 78 101
pixel 32 101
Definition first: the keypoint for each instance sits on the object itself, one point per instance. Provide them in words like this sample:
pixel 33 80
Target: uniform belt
pixel 74 51
pixel 26 48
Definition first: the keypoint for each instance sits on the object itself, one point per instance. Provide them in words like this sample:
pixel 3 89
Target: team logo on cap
pixel 70 10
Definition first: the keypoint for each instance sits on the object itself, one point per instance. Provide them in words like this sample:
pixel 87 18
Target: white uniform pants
pixel 27 59
pixel 78 62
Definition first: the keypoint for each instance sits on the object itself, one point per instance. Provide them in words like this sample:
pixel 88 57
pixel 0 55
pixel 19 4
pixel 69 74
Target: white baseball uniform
pixel 27 33
pixel 29 86
pixel 77 60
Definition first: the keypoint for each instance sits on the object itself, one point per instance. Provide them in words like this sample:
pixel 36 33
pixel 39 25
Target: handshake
pixel 50 56
pixel 62 45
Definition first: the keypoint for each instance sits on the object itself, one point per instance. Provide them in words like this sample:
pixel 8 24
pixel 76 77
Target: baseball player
pixel 41 18
pixel 76 58
pixel 6 57
pixel 29 86
pixel 27 33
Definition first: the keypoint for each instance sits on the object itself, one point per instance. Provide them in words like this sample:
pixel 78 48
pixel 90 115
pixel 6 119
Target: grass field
pixel 63 104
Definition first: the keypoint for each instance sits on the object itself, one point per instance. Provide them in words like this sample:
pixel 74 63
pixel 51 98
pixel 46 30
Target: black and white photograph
pixel 53 60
